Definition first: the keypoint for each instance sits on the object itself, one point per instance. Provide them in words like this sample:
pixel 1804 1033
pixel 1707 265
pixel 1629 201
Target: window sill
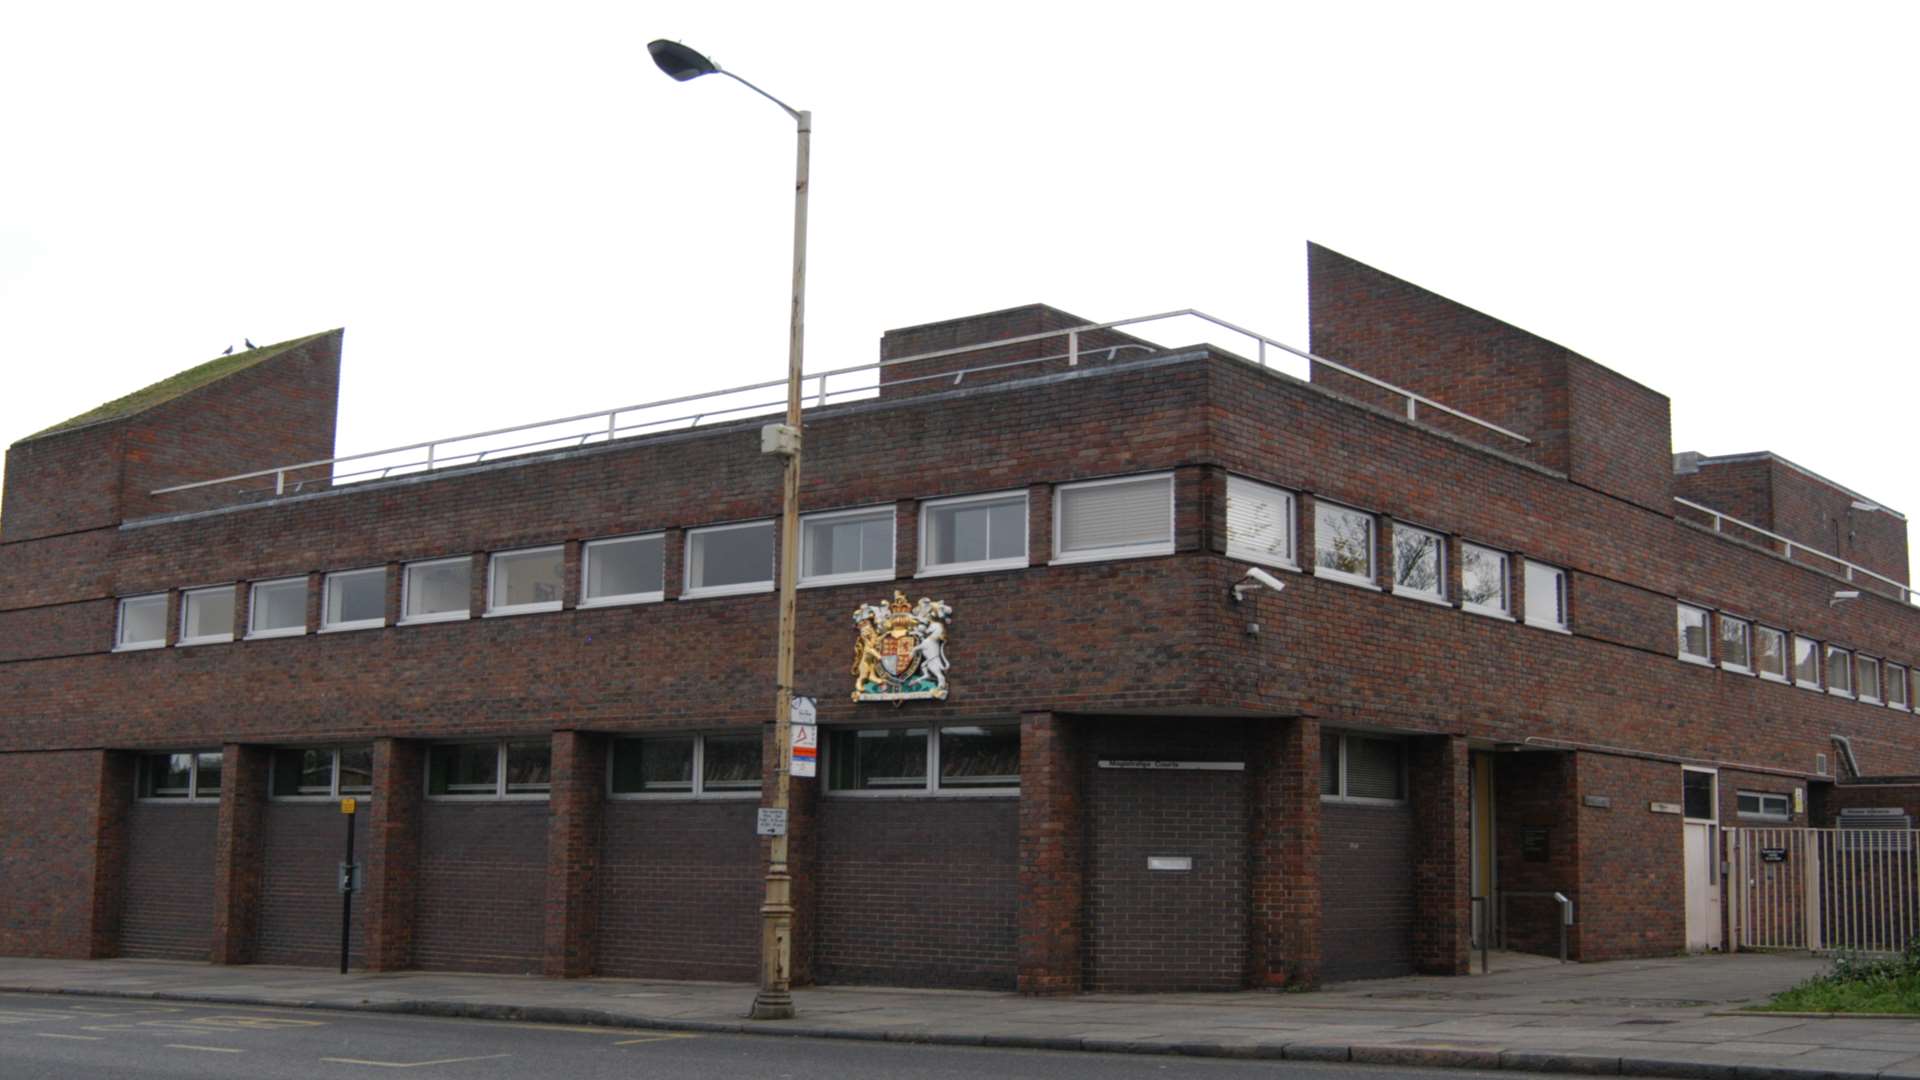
pixel 266 635
pixel 521 609
pixel 1813 686
pixel 175 800
pixel 1773 678
pixel 541 796
pixel 1356 800
pixel 216 639
pixel 1144 551
pixel 684 796
pixel 1699 661
pixel 1865 700
pixel 1737 669
pixel 1262 559
pixel 985 566
pixel 923 793
pixel 1552 628
pixel 1766 818
pixel 749 589
pixel 1345 578
pixel 1423 597
pixel 341 628
pixel 627 600
pixel 1487 612
pixel 826 581
pixel 436 617
pixel 320 800
pixel 141 646
pixel 1848 694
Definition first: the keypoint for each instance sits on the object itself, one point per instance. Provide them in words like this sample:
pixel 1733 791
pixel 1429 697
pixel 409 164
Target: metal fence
pixel 1827 890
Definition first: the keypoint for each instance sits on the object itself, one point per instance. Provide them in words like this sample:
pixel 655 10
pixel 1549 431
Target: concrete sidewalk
pixel 1667 1017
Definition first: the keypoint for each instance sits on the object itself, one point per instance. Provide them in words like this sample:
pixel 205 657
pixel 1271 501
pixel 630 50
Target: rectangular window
pixel 1736 644
pixel 1765 806
pixel 1362 768
pixel 278 608
pixel 1546 595
pixel 1696 795
pixel 696 765
pixel 728 560
pixel 321 772
pixel 355 600
pixel 1806 662
pixel 1342 543
pixel 522 582
pixel 1896 686
pixel 1483 581
pixel 1113 519
pixel 206 616
pixel 529 767
pixel 436 591
pixel 1839 671
pixel 1693 634
pixel 496 769
pixel 143 622
pixel 1868 678
pixel 1259 523
pixel 946 758
pixel 1770 653
pixel 1419 563
pixel 624 570
pixel 980 532
pixel 847 546
pixel 186 777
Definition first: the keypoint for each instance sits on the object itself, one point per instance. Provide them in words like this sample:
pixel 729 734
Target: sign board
pixel 1598 802
pixel 1169 862
pixel 771 822
pixel 1664 807
pixel 1799 800
pixel 348 806
pixel 1533 843
pixel 806 749
pixel 351 879
pixel 803 711
pixel 1773 854
pixel 1212 766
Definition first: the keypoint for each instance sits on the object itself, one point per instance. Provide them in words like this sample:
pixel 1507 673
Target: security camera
pixel 1256 579
pixel 1844 594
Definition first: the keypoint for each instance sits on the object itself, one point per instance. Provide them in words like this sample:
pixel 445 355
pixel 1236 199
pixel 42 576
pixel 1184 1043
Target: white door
pixel 1701 852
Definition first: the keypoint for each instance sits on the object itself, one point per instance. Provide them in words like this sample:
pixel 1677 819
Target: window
pixel 1362 768
pixel 1113 519
pixel 1693 634
pixel 1839 671
pixel 686 765
pixel 522 582
pixel 436 591
pixel 727 560
pixel 1483 580
pixel 187 777
pixel 143 622
pixel 206 615
pixel 980 532
pixel 354 600
pixel 1696 794
pixel 322 772
pixel 1259 523
pixel 1770 653
pixel 624 570
pixel 1868 679
pixel 1419 563
pixel 1546 595
pixel 1896 686
pixel 1342 544
pixel 1736 644
pixel 497 769
pixel 944 758
pixel 1765 805
pixel 850 545
pixel 1806 662
pixel 278 608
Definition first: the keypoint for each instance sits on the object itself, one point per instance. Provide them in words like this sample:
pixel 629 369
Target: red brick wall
pixel 168 913
pixel 681 890
pixel 1632 878
pixel 1743 489
pixel 482 887
pixel 299 920
pixel 903 380
pixel 50 816
pixel 1366 888
pixel 1052 854
pixel 1536 791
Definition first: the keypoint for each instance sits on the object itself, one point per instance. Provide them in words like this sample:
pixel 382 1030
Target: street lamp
pixel 775 999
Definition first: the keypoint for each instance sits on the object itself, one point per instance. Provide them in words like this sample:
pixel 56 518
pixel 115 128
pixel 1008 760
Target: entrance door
pixel 1700 803
pixel 1480 824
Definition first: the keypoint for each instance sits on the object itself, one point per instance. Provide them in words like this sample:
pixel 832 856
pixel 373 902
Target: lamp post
pixel 775 999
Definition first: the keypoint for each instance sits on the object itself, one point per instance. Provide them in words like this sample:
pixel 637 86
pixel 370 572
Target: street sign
pixel 771 822
pixel 806 749
pixel 351 878
pixel 1773 854
pixel 348 806
pixel 803 711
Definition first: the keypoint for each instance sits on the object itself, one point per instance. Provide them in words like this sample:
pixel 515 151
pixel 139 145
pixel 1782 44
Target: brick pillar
pixel 574 819
pixel 110 853
pixel 1285 843
pixel 1437 787
pixel 906 538
pixel 239 852
pixel 393 852
pixel 1052 856
pixel 1039 524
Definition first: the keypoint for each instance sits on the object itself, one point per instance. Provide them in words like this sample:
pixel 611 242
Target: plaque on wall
pixel 1533 843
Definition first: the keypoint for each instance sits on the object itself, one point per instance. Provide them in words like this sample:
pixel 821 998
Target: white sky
pixel 516 216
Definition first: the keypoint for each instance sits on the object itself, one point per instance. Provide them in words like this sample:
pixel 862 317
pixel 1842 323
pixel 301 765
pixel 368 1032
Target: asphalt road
pixel 47 1037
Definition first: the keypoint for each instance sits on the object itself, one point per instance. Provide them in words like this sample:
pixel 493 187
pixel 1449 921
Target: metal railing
pixel 692 410
pixel 1721 521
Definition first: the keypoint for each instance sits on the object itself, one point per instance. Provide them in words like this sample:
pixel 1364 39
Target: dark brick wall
pixel 168 913
pixel 681 890
pixel 1768 492
pixel 1743 489
pixel 1366 885
pixel 299 920
pixel 1534 792
pixel 1052 854
pixel 1632 878
pixel 918 892
pixel 917 377
pixel 482 887
pixel 49 819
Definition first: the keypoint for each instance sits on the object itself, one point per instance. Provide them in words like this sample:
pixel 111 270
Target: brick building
pixel 1521 648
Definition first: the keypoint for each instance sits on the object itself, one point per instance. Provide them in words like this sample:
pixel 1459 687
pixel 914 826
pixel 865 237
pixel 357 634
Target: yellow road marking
pixel 254 1023
pixel 658 1038
pixel 208 1049
pixel 412 1064
pixel 76 1038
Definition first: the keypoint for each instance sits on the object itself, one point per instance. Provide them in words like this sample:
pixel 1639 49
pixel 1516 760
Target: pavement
pixel 1677 1016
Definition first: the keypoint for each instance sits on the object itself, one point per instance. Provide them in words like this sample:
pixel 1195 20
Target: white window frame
pixel 406 591
pixel 615 599
pixel 1906 686
pixel 500 792
pixel 1714 799
pixel 493 566
pixel 193 794
pixel 1879 682
pixel 1819 658
pixel 932 788
pixel 186 609
pixel 326 585
pixel 1061 557
pixel 1827 665
pixel 1720 622
pixel 1764 798
pixel 1340 782
pixel 1786 653
pixel 1440 563
pixel 892 513
pixel 1505 611
pixel 1373 547
pixel 698 791
pixel 333 788
pixel 687 589
pixel 979 566
pixel 254 633
pixel 1680 638
pixel 1290 510
pixel 120 623
pixel 1561 578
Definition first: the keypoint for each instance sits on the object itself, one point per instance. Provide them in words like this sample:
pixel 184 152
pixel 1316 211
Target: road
pixel 49 1037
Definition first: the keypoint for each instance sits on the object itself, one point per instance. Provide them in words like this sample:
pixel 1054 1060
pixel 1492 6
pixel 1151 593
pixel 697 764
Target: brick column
pixel 110 853
pixel 906 538
pixel 1052 856
pixel 1303 524
pixel 574 819
pixel 1285 843
pixel 1039 524
pixel 393 852
pixel 1383 569
pixel 570 575
pixel 239 852
pixel 1437 787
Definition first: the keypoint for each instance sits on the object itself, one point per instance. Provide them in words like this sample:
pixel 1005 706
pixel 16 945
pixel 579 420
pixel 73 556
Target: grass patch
pixel 175 385
pixel 1858 984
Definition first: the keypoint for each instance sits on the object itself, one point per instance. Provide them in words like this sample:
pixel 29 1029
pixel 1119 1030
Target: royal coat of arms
pixel 902 651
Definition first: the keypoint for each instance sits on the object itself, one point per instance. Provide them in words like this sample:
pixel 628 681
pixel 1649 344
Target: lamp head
pixel 679 61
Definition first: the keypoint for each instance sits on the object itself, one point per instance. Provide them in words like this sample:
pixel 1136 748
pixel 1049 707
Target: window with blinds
pixel 1259 523
pixel 1362 768
pixel 1106 519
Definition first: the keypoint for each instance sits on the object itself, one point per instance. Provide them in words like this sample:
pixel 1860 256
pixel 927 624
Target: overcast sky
pixel 515 215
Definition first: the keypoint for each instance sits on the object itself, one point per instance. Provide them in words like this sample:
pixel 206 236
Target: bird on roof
pixel 228 351
pixel 250 343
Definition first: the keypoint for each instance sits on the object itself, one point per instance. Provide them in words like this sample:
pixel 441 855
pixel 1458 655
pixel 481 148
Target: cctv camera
pixel 1844 594
pixel 1256 578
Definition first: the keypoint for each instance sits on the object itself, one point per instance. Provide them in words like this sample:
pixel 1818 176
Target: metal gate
pixel 1855 889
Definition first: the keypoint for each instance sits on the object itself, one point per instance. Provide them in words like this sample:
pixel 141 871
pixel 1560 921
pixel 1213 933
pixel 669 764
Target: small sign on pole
pixel 772 822
pixel 805 738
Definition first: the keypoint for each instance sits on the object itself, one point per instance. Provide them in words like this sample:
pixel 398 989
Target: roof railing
pixel 717 405
pixel 1850 570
